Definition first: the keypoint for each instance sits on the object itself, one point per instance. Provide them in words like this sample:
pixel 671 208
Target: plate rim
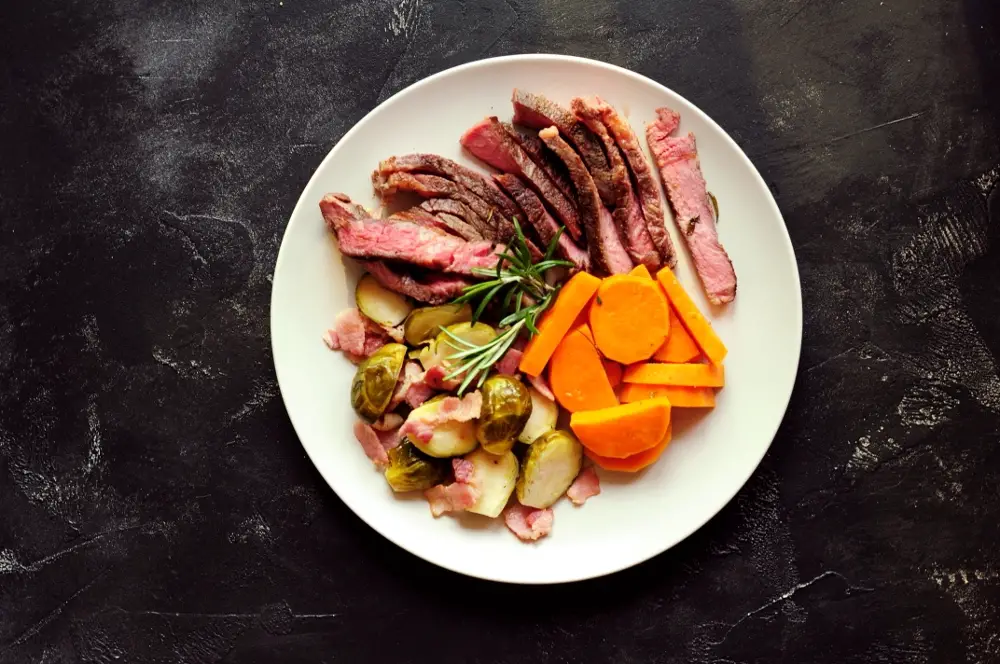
pixel 616 69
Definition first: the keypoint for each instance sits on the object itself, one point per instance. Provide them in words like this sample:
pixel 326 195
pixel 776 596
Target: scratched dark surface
pixel 155 505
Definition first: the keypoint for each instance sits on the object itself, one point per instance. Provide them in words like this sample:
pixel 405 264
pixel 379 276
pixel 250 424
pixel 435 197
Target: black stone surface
pixel 155 504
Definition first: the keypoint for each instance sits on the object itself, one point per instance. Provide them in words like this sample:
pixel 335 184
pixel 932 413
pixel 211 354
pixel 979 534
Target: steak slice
pixel 457 216
pixel 628 215
pixel 677 159
pixel 605 245
pixel 436 165
pixel 432 287
pixel 489 141
pixel 539 112
pixel 485 219
pixel 542 221
pixel 439 221
pixel 364 237
pixel 645 184
pixel 544 158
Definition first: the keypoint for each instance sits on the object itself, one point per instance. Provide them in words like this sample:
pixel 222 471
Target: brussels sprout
pixel 544 413
pixel 506 407
pixel 382 305
pixel 411 470
pixel 443 346
pixel 423 324
pixel 450 438
pixel 549 467
pixel 494 475
pixel 375 381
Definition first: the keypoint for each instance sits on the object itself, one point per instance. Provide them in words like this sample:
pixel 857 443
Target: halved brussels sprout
pixel 548 468
pixel 411 470
pixel 450 439
pixel 382 305
pixel 494 476
pixel 375 381
pixel 425 323
pixel 506 407
pixel 443 346
pixel 544 414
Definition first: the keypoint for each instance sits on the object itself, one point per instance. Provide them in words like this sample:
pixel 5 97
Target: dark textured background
pixel 155 504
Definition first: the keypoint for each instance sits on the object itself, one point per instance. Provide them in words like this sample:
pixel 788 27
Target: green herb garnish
pixel 526 295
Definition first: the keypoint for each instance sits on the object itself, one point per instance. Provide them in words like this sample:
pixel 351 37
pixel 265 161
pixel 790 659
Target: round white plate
pixel 636 516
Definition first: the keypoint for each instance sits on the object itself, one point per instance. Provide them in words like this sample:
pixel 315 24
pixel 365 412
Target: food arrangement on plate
pixel 516 328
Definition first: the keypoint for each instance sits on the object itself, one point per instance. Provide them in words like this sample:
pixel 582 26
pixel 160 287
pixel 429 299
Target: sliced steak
pixel 458 216
pixel 628 215
pixel 542 156
pixel 432 287
pixel 363 237
pixel 486 221
pixel 677 159
pixel 496 147
pixel 440 221
pixel 541 220
pixel 433 164
pixel 645 183
pixel 605 245
pixel 539 112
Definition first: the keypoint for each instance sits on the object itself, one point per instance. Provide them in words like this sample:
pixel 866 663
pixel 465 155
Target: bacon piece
pixel 509 362
pixel 528 523
pixel 412 387
pixel 586 485
pixel 539 383
pixel 464 470
pixel 371 443
pixel 451 497
pixel 452 409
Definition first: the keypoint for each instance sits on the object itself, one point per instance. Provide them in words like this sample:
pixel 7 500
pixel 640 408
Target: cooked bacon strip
pixel 452 409
pixel 606 248
pixel 371 443
pixel 677 159
pixel 645 182
pixel 586 485
pixel 464 470
pixel 528 523
pixel 509 362
pixel 628 215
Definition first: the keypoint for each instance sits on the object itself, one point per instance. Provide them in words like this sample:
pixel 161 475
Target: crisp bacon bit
pixel 586 485
pixel 542 385
pixel 355 334
pixel 435 378
pixel 451 497
pixel 464 470
pixel 528 523
pixel 371 444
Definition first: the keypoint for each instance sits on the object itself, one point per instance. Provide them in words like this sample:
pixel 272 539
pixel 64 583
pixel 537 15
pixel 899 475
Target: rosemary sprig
pixel 525 296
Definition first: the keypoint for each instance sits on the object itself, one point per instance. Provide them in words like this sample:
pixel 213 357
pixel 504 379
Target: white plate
pixel 636 517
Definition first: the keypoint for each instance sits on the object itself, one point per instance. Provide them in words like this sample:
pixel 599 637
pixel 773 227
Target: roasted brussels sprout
pixel 506 407
pixel 495 476
pixel 423 324
pixel 375 381
pixel 450 438
pixel 382 305
pixel 548 468
pixel 411 470
pixel 544 414
pixel 443 346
